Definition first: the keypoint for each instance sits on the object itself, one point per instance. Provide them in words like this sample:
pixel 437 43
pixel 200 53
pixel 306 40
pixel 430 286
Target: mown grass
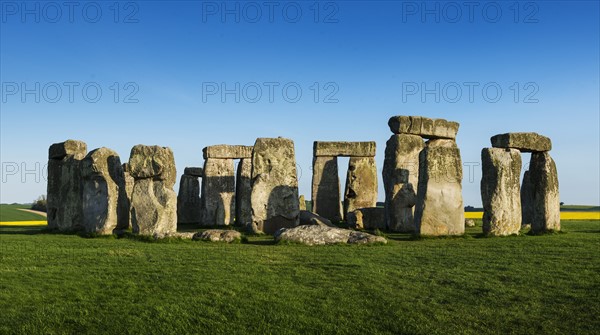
pixel 12 213
pixel 66 284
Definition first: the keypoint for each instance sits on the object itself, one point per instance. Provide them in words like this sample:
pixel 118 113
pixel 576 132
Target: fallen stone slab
pixel 525 142
pixel 227 151
pixel 193 171
pixel 344 149
pixel 218 235
pixel 321 235
pixel 469 223
pixel 311 219
pixel 424 127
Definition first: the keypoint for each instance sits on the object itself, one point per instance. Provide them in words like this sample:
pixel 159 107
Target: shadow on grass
pixel 24 230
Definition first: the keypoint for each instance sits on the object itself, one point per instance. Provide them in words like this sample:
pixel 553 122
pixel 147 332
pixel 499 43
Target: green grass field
pixel 67 284
pixel 12 213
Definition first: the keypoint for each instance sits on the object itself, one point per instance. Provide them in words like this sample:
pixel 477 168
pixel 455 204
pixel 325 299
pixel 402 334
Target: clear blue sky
pixel 367 58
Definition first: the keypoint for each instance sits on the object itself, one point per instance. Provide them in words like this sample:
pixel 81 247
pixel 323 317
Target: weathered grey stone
pixel 243 192
pixel 469 223
pixel 500 191
pixel 129 182
pixel 77 149
pixel 424 127
pixel 105 204
pixel 322 235
pixel 188 200
pixel 153 162
pixel 193 171
pixel 225 151
pixel 326 188
pixel 345 149
pixel 439 208
pixel 526 200
pixel 310 218
pixel 546 200
pixel 64 188
pixel 218 235
pixel 274 185
pixel 367 218
pixel 302 202
pixel 400 180
pixel 361 184
pixel 153 208
pixel 525 142
pixel 218 192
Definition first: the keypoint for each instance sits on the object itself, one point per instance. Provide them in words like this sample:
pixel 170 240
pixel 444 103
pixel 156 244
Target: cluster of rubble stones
pixel 422 174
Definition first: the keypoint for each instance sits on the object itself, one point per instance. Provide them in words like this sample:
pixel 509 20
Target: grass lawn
pixel 12 213
pixel 55 284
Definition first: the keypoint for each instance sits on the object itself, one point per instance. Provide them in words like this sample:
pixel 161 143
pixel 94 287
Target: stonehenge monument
pixel 274 195
pixel 426 175
pixel 188 199
pixel 64 189
pixel 153 202
pixel 105 203
pixel 536 202
pixel 361 180
pixel 222 200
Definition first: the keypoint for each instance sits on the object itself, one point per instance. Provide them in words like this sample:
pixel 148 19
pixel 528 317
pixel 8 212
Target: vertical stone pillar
pixel 500 191
pixel 361 184
pixel 439 209
pixel 218 192
pixel 105 203
pixel 188 200
pixel 526 199
pixel 129 182
pixel 546 201
pixel 153 202
pixel 64 189
pixel 325 193
pixel 243 192
pixel 274 185
pixel 400 180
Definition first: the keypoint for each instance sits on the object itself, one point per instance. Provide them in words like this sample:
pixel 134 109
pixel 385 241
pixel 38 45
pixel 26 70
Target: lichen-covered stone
pixel 105 203
pixel 526 200
pixel 243 192
pixel 153 208
pixel 500 191
pixel 322 235
pixel 154 162
pixel 218 192
pixel 525 142
pixel 225 151
pixel 400 180
pixel 345 149
pixel 361 184
pixel 77 149
pixel 326 188
pixel 302 202
pixel 193 171
pixel 546 199
pixel 439 208
pixel 218 235
pixel 274 185
pixel 424 127
pixel 310 218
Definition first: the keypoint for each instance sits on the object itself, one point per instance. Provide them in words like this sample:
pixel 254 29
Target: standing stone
pixel 274 185
pixel 500 191
pixel 439 209
pixel 325 192
pixel 361 184
pixel 400 180
pixel 188 200
pixel 302 202
pixel 218 192
pixel 546 201
pixel 526 200
pixel 129 182
pixel 367 218
pixel 153 202
pixel 243 193
pixel 64 189
pixel 105 204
